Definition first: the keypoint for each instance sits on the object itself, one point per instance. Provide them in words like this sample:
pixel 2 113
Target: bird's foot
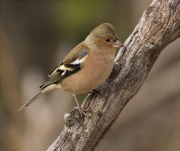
pixel 96 92
pixel 81 111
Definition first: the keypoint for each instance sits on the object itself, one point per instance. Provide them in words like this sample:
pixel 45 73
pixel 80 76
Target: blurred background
pixel 37 35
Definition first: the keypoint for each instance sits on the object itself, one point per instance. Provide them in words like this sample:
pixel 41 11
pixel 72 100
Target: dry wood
pixel 158 26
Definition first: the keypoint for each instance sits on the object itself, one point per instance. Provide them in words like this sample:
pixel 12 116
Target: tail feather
pixel 43 90
pixel 31 100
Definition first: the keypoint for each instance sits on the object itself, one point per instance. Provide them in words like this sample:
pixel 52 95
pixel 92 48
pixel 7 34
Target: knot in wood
pixel 69 119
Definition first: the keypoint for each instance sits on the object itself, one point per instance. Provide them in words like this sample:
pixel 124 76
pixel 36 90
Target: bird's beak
pixel 118 44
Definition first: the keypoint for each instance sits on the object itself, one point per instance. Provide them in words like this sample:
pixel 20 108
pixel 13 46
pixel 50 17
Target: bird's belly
pixel 81 82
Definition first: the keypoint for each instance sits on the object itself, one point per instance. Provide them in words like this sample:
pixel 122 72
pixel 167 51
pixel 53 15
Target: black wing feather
pixel 57 75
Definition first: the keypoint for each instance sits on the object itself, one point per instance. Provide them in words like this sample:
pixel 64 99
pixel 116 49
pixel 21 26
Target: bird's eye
pixel 107 40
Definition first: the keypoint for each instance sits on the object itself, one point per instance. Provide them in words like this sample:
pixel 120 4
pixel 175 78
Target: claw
pixel 96 92
pixel 81 110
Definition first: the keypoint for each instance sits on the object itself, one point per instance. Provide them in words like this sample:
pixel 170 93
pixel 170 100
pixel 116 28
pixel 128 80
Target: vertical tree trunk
pixel 158 26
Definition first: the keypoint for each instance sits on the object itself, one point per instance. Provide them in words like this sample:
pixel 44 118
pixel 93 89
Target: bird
pixel 85 67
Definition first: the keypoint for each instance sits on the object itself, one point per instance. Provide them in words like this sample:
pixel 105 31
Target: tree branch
pixel 158 26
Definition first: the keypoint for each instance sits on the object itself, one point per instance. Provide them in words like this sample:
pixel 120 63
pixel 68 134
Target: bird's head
pixel 104 37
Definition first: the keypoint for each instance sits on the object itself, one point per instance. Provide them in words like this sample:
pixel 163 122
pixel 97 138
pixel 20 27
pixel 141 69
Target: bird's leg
pixel 96 92
pixel 81 110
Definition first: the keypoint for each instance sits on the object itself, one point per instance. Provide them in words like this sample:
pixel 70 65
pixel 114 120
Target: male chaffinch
pixel 86 66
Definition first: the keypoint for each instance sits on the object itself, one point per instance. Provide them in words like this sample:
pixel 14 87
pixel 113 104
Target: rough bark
pixel 158 26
